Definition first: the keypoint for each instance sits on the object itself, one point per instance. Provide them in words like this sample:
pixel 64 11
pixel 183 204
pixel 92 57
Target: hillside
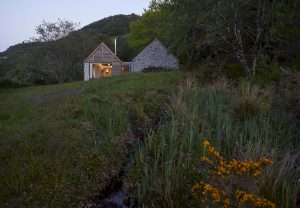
pixel 62 144
pixel 29 62
pixel 112 26
pixel 137 140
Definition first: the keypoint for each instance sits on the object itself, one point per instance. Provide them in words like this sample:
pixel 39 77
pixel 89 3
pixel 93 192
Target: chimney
pixel 115 46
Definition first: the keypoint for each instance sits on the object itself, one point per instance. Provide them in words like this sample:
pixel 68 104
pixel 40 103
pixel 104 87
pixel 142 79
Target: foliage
pixel 249 33
pixel 51 31
pixel 6 83
pixel 112 26
pixel 234 71
pixel 144 30
pixel 166 165
pixel 267 74
pixel 228 181
pixel 2 66
pixel 60 60
pixel 124 51
pixel 156 69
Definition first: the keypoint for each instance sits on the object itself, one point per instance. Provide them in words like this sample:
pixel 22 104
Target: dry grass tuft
pixel 250 100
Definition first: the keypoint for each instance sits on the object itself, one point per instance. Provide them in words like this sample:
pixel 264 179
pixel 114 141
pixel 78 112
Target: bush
pixel 234 71
pixel 231 183
pixel 6 84
pixel 267 74
pixel 157 69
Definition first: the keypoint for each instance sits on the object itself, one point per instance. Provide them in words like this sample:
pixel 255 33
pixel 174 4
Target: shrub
pixel 156 69
pixel 231 183
pixel 234 71
pixel 6 84
pixel 267 74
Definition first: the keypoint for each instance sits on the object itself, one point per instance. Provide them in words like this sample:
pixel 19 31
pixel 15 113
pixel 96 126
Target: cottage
pixel 155 55
pixel 102 62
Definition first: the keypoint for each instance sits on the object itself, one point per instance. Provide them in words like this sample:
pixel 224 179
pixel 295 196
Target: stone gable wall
pixel 155 55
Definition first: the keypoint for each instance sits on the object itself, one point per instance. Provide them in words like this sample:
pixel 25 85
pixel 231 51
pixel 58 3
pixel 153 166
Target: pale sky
pixel 19 18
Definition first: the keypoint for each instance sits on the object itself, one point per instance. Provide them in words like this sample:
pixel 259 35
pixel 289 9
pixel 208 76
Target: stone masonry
pixel 154 55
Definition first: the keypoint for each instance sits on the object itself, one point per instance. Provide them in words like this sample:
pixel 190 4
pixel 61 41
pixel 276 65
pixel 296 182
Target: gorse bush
pixel 230 183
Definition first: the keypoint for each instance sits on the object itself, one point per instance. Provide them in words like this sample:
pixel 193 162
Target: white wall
pixel 86 71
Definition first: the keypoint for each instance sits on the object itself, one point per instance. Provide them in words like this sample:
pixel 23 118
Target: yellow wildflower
pixel 226 203
pixel 266 160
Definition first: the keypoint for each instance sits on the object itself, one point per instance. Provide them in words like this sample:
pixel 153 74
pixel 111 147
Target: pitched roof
pixel 96 57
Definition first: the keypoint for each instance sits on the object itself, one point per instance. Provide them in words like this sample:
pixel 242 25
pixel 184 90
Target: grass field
pixel 61 144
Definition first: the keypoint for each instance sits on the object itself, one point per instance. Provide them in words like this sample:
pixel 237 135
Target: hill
pixel 29 62
pixel 112 26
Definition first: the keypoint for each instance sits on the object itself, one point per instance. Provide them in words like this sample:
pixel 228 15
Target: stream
pixel 114 195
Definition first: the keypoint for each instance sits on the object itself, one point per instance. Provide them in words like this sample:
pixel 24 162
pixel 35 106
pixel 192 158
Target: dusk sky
pixel 19 18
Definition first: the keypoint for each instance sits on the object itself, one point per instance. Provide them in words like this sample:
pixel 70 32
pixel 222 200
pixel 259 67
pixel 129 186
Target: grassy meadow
pixel 61 144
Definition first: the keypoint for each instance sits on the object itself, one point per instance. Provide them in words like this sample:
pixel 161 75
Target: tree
pixel 51 31
pixel 57 48
pixel 242 26
pixel 249 32
pixel 144 30
pixel 177 23
pixel 185 28
pixel 60 59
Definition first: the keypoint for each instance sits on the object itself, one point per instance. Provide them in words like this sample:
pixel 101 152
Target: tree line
pixel 249 33
pixel 252 33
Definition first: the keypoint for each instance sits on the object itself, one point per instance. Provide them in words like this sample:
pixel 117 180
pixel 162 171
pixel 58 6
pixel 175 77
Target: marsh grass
pixel 250 100
pixel 167 164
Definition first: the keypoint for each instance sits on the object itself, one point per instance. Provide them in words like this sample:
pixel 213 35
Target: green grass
pixel 61 144
pixel 167 165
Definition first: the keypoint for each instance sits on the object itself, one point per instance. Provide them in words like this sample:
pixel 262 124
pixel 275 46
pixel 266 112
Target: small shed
pixel 155 55
pixel 102 62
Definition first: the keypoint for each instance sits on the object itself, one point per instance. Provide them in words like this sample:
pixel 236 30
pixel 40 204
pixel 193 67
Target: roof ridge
pixel 95 50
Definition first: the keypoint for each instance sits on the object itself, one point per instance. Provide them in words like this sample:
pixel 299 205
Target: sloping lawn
pixel 61 144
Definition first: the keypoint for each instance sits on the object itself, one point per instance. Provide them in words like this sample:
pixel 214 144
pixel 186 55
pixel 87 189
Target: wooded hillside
pixel 239 38
pixel 62 60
